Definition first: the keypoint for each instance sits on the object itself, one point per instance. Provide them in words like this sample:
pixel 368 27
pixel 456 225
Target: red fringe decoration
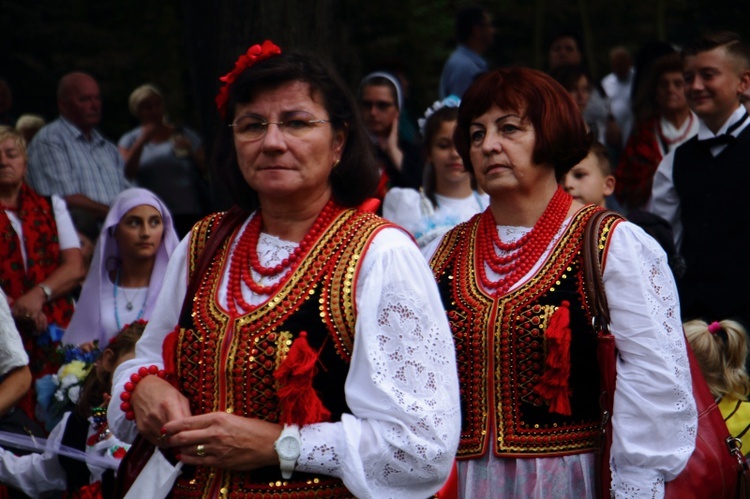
pixel 553 386
pixel 169 351
pixel 298 402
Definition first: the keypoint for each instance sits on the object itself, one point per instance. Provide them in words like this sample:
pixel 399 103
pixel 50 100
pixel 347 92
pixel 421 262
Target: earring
pixel 336 163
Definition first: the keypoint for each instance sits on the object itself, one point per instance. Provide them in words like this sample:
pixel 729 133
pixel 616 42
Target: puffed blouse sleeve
pixel 402 207
pixel 402 386
pixel 654 416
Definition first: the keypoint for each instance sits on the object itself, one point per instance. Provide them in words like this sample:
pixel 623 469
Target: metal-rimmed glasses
pixel 250 128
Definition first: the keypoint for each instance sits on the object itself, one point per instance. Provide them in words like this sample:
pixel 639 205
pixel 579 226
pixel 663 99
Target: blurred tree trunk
pixel 588 38
pixel 661 24
pixel 539 52
pixel 218 32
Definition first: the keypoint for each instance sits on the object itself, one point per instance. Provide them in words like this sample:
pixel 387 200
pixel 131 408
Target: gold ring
pixel 200 450
pixel 162 437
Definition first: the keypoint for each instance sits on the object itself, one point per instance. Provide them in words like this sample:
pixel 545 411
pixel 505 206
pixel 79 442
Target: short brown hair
pixel 732 43
pixel 561 138
pixel 602 157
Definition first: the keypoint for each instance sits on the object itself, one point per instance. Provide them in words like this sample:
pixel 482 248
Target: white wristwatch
pixel 46 290
pixel 288 447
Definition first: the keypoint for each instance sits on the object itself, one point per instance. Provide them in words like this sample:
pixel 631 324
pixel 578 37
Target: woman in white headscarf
pixel 127 269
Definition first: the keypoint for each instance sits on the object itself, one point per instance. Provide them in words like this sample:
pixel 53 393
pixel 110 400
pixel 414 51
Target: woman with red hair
pixel 512 282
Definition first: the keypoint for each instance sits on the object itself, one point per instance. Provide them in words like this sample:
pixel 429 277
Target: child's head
pixel 444 165
pixel 98 383
pixel 717 72
pixel 591 180
pixel 721 348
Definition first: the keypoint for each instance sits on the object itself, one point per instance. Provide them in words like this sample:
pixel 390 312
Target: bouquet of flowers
pixel 58 393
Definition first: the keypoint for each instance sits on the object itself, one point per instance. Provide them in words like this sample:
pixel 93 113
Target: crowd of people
pixel 377 316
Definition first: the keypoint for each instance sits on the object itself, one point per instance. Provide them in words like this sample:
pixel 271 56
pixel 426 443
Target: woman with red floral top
pixel 666 122
pixel 40 257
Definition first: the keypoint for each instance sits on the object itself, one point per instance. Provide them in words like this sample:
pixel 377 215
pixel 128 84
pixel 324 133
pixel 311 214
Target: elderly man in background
pixel 70 158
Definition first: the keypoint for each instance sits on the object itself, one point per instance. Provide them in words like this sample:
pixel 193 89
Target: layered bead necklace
pixel 245 258
pixel 518 257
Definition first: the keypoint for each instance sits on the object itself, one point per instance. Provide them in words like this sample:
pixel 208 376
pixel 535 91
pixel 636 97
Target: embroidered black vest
pixel 227 363
pixel 716 229
pixel 501 348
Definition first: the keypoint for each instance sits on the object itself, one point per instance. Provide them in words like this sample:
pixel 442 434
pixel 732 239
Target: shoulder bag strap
pixel 596 299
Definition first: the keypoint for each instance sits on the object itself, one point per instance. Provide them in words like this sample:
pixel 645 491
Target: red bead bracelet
pixel 135 378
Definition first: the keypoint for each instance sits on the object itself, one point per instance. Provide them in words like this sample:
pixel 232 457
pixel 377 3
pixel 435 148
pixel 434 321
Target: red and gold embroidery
pixel 501 349
pixel 227 361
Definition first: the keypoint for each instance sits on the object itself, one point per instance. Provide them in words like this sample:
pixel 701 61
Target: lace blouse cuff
pixel 320 449
pixel 630 482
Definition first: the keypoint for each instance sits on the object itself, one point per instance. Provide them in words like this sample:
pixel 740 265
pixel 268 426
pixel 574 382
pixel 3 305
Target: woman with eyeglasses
pixel 400 162
pixel 301 347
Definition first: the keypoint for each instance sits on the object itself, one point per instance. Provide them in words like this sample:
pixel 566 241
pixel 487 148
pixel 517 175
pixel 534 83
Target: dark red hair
pixel 561 137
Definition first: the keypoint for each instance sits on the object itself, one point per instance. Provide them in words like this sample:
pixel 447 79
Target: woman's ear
pixel 339 141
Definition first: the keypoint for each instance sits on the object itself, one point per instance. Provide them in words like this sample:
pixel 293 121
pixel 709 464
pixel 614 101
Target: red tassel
pixel 553 387
pixel 370 204
pixel 169 351
pixel 298 401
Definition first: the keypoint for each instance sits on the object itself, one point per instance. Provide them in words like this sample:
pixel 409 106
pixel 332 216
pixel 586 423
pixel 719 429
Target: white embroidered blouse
pixel 402 386
pixel 655 420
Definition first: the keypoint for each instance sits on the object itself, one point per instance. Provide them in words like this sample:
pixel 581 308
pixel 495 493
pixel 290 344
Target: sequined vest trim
pixel 227 363
pixel 501 349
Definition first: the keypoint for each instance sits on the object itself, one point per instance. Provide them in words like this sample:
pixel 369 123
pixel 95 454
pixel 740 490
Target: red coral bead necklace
pixel 245 258
pixel 519 256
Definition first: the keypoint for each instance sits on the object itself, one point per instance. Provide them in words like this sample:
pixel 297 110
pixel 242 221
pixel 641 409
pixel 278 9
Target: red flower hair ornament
pixel 254 54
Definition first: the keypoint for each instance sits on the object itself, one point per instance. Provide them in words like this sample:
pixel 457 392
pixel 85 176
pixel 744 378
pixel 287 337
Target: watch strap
pixel 47 291
pixel 287 465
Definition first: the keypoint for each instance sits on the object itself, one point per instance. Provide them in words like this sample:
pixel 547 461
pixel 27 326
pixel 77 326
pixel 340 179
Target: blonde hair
pixel 140 94
pixel 721 355
pixel 29 124
pixel 8 132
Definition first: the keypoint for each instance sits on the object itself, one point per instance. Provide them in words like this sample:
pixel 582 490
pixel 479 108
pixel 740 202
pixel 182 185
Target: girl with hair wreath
pixel 84 429
pixel 448 196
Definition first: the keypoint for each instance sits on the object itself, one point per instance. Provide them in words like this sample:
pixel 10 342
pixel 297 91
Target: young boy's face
pixel 714 83
pixel 586 183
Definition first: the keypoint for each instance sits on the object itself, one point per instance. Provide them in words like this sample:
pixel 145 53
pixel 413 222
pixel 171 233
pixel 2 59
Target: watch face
pixel 288 447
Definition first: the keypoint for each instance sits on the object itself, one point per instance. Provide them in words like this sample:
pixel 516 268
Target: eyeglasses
pixel 380 105
pixel 249 128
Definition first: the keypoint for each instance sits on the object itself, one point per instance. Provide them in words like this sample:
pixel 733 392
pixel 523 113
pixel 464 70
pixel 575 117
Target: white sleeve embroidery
pixel 654 416
pixel 402 386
